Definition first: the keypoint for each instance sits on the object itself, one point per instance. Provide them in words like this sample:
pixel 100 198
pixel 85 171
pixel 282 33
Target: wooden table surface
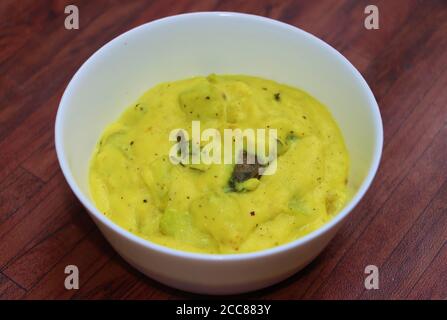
pixel 400 226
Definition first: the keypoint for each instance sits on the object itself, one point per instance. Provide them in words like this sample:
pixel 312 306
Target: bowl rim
pixel 283 248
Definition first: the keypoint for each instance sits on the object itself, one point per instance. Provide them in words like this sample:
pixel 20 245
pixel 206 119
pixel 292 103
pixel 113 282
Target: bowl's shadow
pixel 166 292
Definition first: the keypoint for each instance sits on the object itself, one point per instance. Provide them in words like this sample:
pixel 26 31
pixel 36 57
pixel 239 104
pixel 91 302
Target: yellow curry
pixel 213 208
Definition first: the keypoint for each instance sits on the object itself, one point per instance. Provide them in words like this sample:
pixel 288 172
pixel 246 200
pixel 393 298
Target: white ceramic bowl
pixel 199 44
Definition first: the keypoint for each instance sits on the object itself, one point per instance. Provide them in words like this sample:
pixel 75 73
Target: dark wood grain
pixel 400 226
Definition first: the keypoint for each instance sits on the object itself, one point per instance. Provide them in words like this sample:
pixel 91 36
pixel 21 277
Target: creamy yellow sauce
pixel 133 182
